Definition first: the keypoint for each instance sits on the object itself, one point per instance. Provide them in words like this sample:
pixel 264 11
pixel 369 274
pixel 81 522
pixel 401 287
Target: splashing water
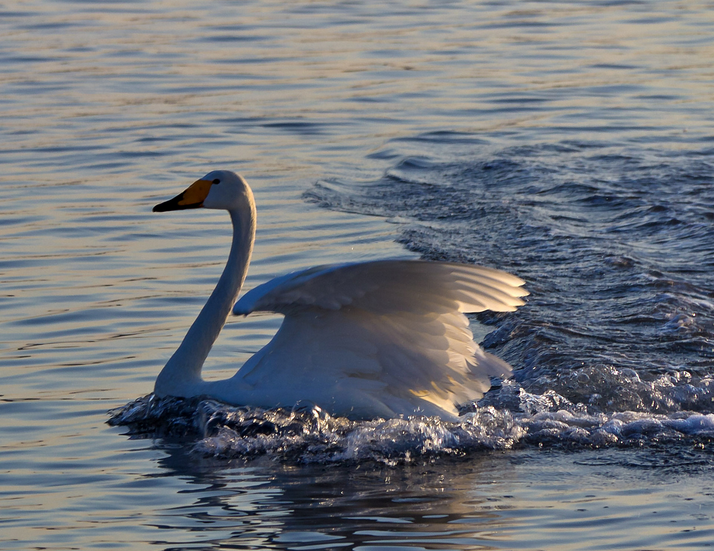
pixel 309 435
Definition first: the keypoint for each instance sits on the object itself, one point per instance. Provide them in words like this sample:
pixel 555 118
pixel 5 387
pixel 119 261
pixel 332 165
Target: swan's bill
pixel 191 198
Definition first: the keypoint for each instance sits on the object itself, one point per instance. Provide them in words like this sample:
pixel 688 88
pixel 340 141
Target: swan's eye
pixel 216 181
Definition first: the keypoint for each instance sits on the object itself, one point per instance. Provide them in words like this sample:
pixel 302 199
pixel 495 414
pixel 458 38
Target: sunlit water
pixel 571 144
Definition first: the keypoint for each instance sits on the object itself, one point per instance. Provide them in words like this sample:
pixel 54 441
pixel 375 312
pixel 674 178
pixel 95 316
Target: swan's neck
pixel 181 376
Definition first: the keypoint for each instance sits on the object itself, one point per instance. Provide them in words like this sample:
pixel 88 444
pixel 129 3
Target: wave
pixel 306 434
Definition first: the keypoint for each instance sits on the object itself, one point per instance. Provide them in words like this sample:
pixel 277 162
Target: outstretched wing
pixel 388 286
pixel 392 330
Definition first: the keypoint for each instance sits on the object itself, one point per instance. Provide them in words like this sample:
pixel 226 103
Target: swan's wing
pixel 379 337
pixel 388 286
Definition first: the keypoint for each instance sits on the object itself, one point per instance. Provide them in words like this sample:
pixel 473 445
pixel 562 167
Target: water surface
pixel 569 143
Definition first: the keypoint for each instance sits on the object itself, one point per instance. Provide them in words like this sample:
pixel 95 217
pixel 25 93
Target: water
pixel 569 143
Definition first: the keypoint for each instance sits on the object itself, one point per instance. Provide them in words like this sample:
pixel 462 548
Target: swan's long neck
pixel 181 376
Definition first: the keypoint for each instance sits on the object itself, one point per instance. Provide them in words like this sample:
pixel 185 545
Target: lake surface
pixel 569 143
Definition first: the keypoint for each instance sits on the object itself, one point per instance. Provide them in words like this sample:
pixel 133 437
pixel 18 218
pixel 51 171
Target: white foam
pixel 307 434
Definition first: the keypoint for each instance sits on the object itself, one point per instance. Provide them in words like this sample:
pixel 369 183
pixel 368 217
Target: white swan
pixel 362 340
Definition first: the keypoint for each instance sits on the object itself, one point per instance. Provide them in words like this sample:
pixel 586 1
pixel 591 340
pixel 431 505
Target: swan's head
pixel 220 189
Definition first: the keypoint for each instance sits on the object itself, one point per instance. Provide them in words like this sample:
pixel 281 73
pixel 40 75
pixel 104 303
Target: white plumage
pixel 363 340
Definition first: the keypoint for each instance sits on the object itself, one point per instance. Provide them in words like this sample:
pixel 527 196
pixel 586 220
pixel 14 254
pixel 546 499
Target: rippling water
pixel 569 143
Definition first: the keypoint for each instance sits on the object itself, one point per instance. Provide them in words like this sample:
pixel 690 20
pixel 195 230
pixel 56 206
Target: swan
pixel 379 339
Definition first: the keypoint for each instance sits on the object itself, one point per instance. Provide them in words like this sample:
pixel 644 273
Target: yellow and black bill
pixel 191 198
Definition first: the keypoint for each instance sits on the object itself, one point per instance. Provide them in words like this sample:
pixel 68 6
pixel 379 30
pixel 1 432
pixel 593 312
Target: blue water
pixel 568 143
pixel 617 249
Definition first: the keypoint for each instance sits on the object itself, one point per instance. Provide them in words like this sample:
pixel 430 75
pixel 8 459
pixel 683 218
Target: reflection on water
pixel 345 507
pixel 107 108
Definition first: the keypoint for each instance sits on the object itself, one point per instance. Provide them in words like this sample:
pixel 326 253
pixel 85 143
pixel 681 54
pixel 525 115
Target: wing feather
pixel 391 333
pixel 388 286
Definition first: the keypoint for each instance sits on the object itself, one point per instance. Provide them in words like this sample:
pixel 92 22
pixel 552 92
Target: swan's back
pixel 377 338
